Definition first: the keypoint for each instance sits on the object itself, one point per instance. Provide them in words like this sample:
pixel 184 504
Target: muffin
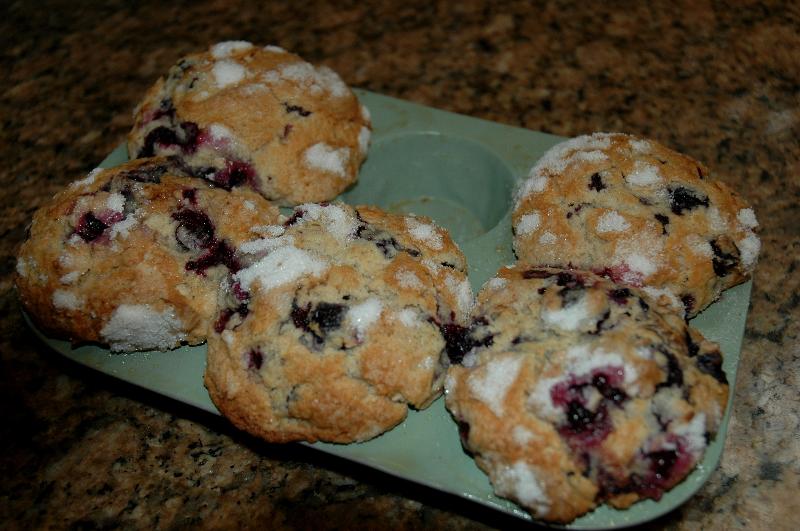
pixel 239 114
pixel 576 391
pixel 132 257
pixel 339 324
pixel 639 213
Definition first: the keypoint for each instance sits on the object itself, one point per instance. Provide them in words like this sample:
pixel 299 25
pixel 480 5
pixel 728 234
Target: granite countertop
pixel 722 84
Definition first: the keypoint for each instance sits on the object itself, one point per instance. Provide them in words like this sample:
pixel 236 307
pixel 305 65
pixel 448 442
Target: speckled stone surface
pixel 80 450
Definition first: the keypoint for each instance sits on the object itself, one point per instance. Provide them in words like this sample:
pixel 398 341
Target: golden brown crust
pixel 639 213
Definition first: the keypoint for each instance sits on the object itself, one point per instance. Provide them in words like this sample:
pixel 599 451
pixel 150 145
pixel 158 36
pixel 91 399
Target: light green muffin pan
pixel 460 171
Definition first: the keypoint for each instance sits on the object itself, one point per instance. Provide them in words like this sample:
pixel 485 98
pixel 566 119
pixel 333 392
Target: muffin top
pixel 578 391
pixel 639 213
pixel 239 114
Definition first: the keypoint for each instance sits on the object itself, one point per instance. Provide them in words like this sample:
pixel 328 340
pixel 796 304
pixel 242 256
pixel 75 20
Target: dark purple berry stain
pixel 130 204
pixel 662 462
pixel 219 253
pixel 89 228
pixel 191 135
pixel 682 199
pixel 145 174
pixel 665 467
pixel 190 194
pixel 585 461
pixel 614 273
pixel 725 259
pixel 688 303
pixel 457 342
pixel 537 273
pixel 255 358
pixel 302 319
pixel 601 382
pixel 586 427
pixel 225 316
pixel 194 231
pixel 296 215
pixel 674 376
pixel 384 241
pixel 575 209
pixel 664 220
pixel 579 419
pixel 601 323
pixel 711 364
pixel 460 339
pixel 165 108
pixel 239 293
pixel 589 426
pixel 692 348
pixel 161 135
pixel 184 136
pixel 569 280
pixel 620 295
pixel 297 109
pixel 596 183
pixel 328 316
pixel 389 247
pixel 235 173
pixel 661 468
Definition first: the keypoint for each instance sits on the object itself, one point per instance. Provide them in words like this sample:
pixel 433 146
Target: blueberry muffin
pixel 338 324
pixel 639 213
pixel 574 391
pixel 245 115
pixel 132 257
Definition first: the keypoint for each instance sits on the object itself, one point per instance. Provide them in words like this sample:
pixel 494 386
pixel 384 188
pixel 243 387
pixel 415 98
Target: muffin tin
pixel 461 172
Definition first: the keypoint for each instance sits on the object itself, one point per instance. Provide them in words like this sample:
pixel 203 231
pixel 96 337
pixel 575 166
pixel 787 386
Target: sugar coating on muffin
pixel 239 114
pixel 578 391
pixel 337 324
pixel 639 213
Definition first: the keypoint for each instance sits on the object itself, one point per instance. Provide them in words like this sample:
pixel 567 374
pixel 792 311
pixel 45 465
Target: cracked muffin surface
pixel 579 391
pixel 337 325
pixel 243 115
